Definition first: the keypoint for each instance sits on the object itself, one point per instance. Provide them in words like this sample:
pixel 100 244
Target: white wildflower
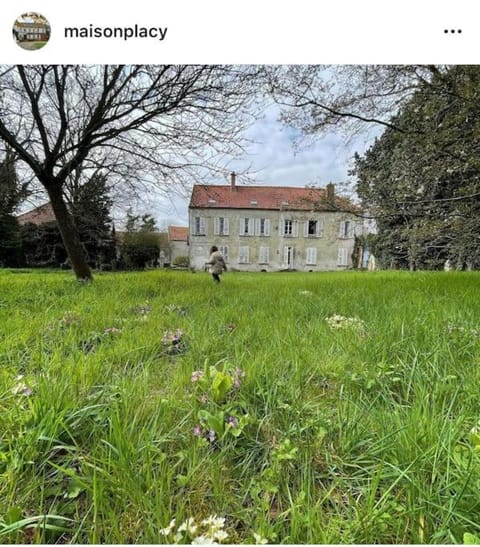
pixel 259 540
pixel 203 540
pixel 220 535
pixel 168 530
pixel 340 322
pixel 188 526
pixel 214 522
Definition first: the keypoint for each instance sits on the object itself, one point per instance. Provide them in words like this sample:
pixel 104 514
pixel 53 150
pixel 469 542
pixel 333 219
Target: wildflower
pixel 197 431
pixel 69 319
pixel 188 526
pixel 197 375
pixel 142 310
pixel 259 540
pixel 168 530
pixel 232 422
pixel 214 522
pixel 211 435
pixel 112 330
pixel 22 388
pixel 174 308
pixel 337 322
pixel 220 535
pixel 203 540
pixel 230 327
pixel 203 398
pixel 238 374
pixel 172 337
pixel 306 293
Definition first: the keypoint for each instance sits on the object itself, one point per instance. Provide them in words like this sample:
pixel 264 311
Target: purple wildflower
pixel 197 431
pixel 211 435
pixel 197 375
pixel 238 374
pixel 232 422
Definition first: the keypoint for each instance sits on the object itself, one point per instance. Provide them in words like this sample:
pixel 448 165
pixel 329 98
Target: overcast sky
pixel 275 161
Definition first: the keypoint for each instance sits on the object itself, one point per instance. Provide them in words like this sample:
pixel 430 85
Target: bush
pixel 181 261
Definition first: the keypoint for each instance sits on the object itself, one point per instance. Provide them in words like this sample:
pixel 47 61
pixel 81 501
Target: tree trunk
pixel 69 234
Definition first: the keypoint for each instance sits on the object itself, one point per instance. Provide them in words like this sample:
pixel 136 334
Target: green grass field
pixel 148 397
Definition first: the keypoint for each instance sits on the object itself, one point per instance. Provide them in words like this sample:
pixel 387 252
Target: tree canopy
pixel 154 127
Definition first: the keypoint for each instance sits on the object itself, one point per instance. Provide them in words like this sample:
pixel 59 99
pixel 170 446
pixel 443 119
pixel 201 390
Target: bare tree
pixel 153 127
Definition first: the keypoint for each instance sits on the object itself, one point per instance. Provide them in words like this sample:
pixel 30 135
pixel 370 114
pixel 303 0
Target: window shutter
pixel 202 226
pixel 351 229
pixel 341 229
pixel 342 257
pixel 224 251
pixel 243 256
pixel 264 255
pixel 285 256
pixel 225 227
pixel 319 228
pixel 267 226
pixel 241 229
pixel 305 228
pixel 216 226
pixel 295 228
pixel 311 255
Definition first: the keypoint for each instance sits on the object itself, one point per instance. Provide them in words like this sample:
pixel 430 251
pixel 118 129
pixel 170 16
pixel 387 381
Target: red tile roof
pixel 265 197
pixel 178 233
pixel 39 215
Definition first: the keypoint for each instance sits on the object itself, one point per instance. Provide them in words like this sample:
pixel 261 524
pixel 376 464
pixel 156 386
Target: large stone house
pixel 31 31
pixel 272 228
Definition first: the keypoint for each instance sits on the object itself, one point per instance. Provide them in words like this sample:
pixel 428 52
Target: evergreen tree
pixel 141 243
pixel 12 193
pixel 421 178
pixel 90 206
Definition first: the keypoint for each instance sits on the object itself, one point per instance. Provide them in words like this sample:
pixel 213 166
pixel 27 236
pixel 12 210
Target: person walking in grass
pixel 216 263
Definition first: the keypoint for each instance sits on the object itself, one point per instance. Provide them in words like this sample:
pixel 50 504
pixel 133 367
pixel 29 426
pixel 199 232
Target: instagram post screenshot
pixel 239 273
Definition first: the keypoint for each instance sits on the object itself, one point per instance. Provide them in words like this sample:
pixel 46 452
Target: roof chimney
pixel 330 192
pixel 233 180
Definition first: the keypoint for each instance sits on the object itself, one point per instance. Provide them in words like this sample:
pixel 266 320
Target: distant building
pixel 31 31
pixel 271 228
pixel 177 242
pixel 39 215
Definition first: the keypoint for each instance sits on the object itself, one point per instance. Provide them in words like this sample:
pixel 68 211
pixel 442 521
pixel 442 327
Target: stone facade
pixel 281 235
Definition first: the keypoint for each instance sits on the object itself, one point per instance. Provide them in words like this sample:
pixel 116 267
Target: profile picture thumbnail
pixel 31 31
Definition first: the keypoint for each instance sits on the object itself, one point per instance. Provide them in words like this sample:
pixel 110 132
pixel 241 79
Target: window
pixel 224 250
pixel 243 255
pixel 199 226
pixel 264 256
pixel 221 226
pixel 290 228
pixel 342 257
pixel 311 256
pixel 313 228
pixel 262 227
pixel 346 229
pixel 246 227
pixel 287 228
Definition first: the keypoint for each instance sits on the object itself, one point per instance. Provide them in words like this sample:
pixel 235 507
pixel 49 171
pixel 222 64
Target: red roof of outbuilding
pixel 178 233
pixel 40 215
pixel 264 197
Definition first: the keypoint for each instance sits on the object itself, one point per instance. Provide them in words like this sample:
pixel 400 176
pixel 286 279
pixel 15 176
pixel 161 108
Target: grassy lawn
pixel 147 397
